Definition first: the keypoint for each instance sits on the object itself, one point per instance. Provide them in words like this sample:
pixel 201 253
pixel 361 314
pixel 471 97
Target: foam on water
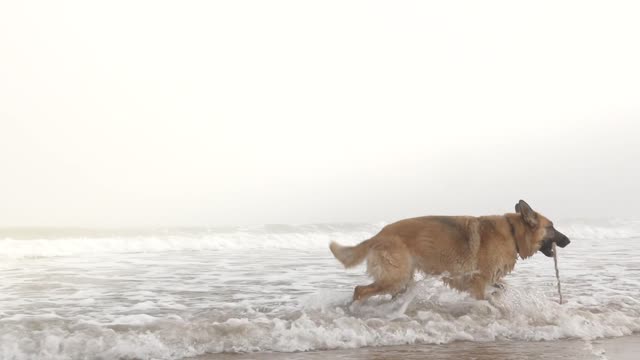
pixel 155 301
pixel 321 321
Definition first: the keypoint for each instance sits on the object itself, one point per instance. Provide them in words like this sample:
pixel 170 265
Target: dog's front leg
pixel 478 286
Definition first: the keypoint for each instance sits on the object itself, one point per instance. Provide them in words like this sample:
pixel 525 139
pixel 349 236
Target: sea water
pixel 176 293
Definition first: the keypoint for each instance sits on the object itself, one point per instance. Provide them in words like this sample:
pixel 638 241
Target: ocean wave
pixel 266 237
pixel 603 229
pixel 428 314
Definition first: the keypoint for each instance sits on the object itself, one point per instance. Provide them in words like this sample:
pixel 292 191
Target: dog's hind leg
pixel 362 292
pixel 390 264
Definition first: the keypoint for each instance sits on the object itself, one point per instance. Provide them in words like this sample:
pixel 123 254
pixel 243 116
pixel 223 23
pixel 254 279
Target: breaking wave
pixel 301 237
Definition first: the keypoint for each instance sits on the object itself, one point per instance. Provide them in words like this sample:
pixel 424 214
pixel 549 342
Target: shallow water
pixel 170 294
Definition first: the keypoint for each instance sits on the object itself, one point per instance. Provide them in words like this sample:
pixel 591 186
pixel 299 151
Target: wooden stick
pixel 555 262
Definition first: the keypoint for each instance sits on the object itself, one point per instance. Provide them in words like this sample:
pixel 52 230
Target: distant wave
pixel 79 242
pixel 263 237
pixel 602 229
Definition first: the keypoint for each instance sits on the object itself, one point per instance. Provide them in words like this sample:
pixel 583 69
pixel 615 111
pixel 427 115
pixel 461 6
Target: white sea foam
pixel 426 317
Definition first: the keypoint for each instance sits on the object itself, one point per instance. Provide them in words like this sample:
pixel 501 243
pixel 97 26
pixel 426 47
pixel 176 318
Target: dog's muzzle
pixel 559 238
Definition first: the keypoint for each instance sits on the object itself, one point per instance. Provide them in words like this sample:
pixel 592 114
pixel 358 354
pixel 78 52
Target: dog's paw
pixel 497 290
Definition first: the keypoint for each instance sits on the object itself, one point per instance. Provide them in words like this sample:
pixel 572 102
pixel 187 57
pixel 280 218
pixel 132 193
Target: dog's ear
pixel 528 215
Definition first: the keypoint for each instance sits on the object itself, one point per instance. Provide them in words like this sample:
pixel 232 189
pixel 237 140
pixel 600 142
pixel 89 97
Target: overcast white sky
pixel 145 113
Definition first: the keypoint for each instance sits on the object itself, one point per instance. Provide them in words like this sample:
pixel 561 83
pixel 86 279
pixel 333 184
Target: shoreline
pixel 619 348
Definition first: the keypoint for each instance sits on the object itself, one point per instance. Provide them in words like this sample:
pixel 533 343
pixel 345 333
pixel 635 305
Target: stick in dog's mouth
pixel 555 262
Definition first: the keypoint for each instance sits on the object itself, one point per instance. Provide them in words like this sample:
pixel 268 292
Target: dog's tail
pixel 350 256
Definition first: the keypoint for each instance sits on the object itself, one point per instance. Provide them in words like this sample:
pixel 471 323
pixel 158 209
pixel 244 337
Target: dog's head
pixel 539 231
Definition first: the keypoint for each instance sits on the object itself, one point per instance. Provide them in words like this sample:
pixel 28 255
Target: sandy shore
pixel 622 348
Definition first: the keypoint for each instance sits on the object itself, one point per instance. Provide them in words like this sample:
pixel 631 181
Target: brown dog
pixel 470 252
